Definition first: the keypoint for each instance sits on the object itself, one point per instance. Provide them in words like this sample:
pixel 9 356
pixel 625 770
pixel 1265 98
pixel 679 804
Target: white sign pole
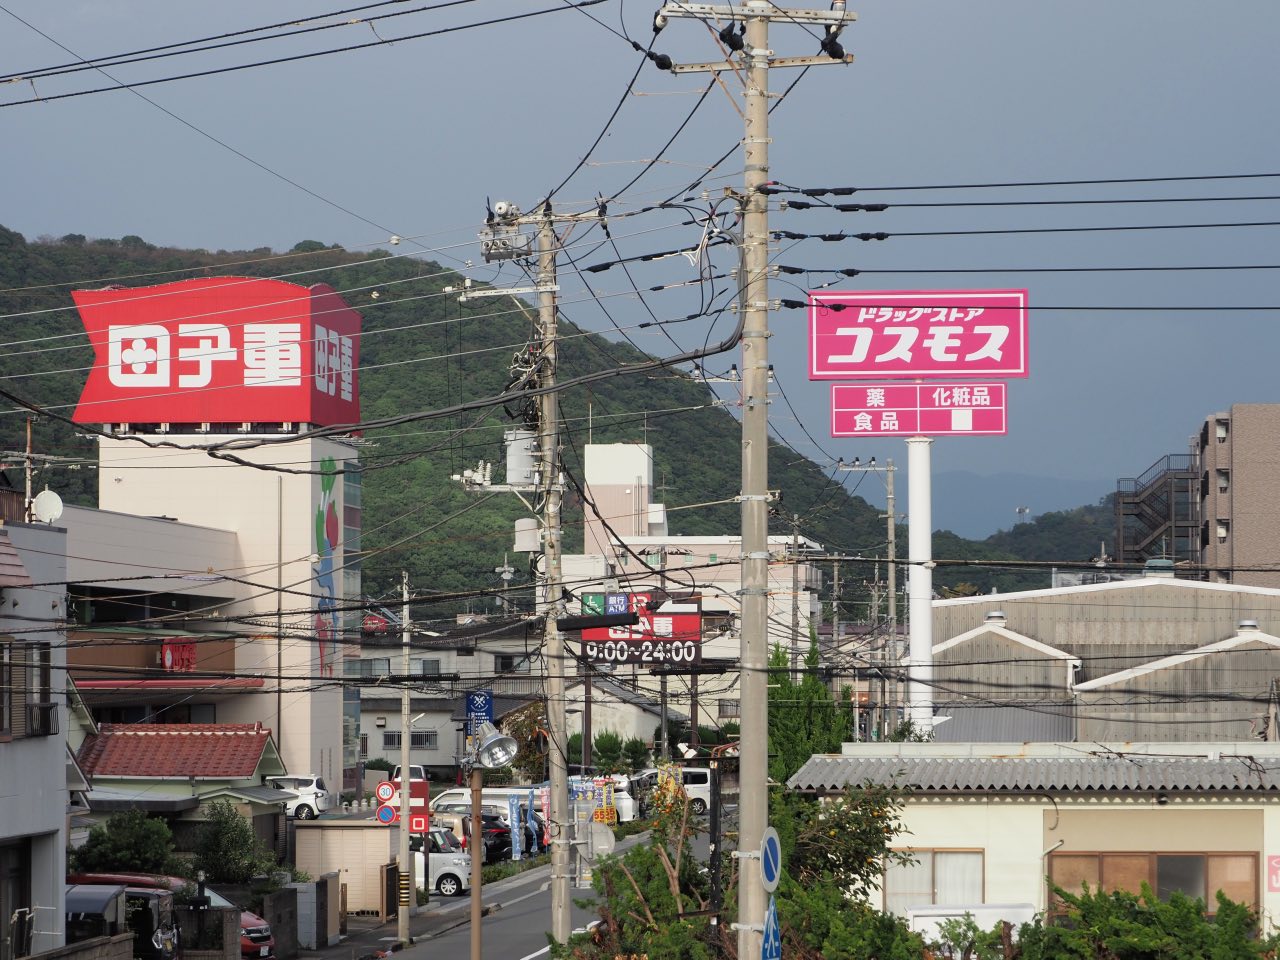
pixel 920 582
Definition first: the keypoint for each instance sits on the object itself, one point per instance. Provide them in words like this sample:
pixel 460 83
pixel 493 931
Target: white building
pixel 33 752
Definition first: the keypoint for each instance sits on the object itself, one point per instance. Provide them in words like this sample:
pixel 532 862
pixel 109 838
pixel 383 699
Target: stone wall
pixel 119 947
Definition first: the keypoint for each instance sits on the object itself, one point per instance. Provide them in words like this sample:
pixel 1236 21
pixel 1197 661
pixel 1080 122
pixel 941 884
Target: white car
pixel 448 872
pixel 311 798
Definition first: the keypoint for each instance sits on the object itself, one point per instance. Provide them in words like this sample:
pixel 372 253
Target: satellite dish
pixel 47 506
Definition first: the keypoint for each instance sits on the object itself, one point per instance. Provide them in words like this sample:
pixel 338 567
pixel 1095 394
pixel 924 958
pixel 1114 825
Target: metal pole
pixel 27 468
pixel 407 890
pixel 893 576
pixel 795 595
pixel 754 757
pixel 279 611
pixel 549 447
pixel 664 731
pixel 920 583
pixel 586 717
pixel 477 857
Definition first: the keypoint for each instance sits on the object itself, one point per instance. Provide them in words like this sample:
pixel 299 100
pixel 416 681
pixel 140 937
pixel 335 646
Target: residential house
pixel 175 770
pixel 988 822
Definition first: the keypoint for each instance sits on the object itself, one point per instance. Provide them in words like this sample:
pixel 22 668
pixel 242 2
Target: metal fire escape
pixel 1157 513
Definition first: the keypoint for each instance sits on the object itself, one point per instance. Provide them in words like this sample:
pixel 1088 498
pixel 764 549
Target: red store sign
pixel 220 350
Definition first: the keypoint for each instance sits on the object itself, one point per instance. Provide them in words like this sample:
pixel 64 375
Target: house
pixel 34 773
pixel 175 770
pixel 988 822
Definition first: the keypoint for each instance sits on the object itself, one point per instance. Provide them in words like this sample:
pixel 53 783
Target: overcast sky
pixel 410 138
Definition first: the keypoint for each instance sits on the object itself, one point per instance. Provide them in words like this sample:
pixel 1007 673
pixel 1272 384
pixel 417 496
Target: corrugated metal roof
pixel 1015 775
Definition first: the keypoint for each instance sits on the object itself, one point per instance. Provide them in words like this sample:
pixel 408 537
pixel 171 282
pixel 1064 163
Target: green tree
pixel 606 752
pixel 803 719
pixel 227 849
pixel 635 754
pixel 129 842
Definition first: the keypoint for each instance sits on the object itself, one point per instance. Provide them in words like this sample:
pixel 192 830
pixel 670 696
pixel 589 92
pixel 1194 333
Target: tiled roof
pixel 1021 775
pixel 216 751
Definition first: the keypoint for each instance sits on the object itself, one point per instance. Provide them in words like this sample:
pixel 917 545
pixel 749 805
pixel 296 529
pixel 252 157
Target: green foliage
pixel 606 752
pixel 963 939
pixel 819 924
pixel 635 754
pixel 642 896
pixel 379 763
pixel 523 725
pixel 1124 925
pixel 129 842
pixel 227 849
pixel 803 719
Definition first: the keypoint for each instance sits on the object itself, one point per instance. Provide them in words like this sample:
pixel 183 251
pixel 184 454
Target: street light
pixel 492 749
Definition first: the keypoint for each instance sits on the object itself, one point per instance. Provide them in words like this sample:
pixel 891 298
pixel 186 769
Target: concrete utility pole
pixel 407 891
pixel 549 448
pixel 753 301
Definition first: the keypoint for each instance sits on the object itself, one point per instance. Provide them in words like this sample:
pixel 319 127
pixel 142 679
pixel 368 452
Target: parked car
pixel 311 800
pixel 442 868
pixel 256 939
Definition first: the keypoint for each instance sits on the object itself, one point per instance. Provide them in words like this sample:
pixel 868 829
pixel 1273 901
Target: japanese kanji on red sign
pixel 930 409
pixel 220 350
pixel 917 333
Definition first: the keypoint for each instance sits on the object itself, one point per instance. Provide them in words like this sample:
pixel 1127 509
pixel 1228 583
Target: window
pixel 1224 480
pixel 364 746
pixel 1224 530
pixel 1198 875
pixel 1223 428
pixel 391 740
pixel 950 877
pixel 729 709
pixel 423 740
pixel 427 668
pixel 371 667
pixel 510 663
pixel 6 688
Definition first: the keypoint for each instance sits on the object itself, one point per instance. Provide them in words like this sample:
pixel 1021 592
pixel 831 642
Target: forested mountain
pixel 422 351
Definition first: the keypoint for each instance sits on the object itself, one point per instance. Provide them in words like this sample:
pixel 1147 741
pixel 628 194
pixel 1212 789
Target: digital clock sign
pixel 671 634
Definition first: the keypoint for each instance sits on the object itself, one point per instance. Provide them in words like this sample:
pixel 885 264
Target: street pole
pixel 476 850
pixel 753 301
pixel 795 595
pixel 754 758
pixel 549 448
pixel 407 891
pixel 893 595
pixel 920 583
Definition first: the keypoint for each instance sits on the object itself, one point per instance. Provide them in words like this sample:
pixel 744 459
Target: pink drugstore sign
pixel 917 333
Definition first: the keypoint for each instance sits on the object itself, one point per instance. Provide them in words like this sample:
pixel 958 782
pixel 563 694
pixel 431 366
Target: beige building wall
pixel 1240 464
pixel 273 515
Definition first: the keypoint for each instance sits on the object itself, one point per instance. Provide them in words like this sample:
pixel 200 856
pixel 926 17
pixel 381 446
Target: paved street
pixel 518 917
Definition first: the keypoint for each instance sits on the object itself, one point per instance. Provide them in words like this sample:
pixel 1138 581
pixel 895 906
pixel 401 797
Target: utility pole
pixel 549 449
pixel 407 891
pixel 795 595
pixel 753 301
pixel 502 240
pixel 890 646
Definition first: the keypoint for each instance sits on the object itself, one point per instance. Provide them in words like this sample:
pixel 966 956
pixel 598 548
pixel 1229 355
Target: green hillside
pixel 422 351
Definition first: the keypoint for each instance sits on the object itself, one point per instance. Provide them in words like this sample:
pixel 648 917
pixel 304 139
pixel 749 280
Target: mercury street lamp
pixel 491 749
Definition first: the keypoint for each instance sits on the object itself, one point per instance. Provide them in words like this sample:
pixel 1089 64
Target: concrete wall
pixel 119 947
pixel 33 787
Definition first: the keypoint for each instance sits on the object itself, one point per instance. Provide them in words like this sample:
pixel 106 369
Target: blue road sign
pixel 770 859
pixel 479 708
pixel 771 943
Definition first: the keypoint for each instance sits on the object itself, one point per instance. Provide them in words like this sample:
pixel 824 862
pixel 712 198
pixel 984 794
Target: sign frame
pixel 944 327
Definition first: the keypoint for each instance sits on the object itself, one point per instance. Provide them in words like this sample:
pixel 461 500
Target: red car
pixel 256 940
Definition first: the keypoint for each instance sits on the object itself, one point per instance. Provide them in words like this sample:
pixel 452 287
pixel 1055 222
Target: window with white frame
pixel 390 739
pixel 946 877
pixel 427 667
